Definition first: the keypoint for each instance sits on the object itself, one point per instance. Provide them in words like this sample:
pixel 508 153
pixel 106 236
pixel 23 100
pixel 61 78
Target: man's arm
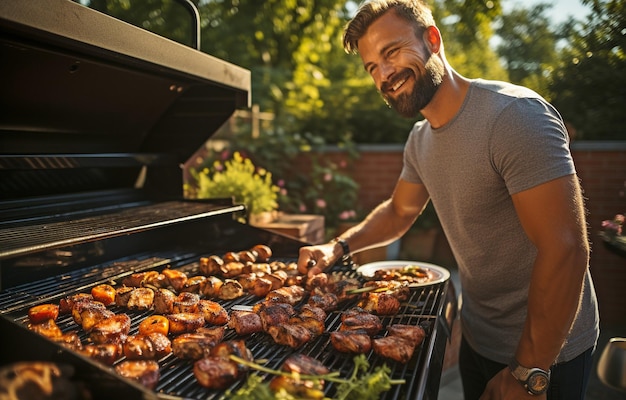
pixel 553 217
pixel 387 222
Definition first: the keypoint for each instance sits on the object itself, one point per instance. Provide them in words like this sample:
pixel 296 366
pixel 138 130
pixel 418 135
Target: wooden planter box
pixel 305 227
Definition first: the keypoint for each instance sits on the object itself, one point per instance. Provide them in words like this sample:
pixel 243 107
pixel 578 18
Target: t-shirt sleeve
pixel 530 145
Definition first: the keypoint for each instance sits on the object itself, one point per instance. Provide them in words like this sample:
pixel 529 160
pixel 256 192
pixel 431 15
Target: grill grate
pixel 177 377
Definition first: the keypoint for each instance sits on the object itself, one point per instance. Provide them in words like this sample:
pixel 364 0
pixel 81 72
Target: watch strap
pixel 344 248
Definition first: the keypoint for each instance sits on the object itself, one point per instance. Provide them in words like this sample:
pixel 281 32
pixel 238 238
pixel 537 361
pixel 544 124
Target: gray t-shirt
pixel 505 139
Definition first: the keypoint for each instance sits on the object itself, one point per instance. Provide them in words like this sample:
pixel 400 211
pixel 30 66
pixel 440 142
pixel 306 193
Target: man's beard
pixel 426 85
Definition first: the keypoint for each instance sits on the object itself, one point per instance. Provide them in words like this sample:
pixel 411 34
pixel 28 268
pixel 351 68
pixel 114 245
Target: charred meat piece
pixel 185 322
pixel 326 301
pixel 356 342
pixel 413 333
pixel 275 314
pixel 262 286
pixel 315 326
pixel 290 335
pixel 356 318
pixel 213 312
pixel 162 344
pixel 211 287
pixel 341 287
pixel 247 257
pixel 104 293
pixel 122 295
pixel 193 346
pixel 215 332
pixel 147 347
pixel 308 310
pixel 80 306
pixel 394 347
pixel 287 294
pixel 139 279
pixel 230 256
pixel 194 284
pixel 235 347
pixel 175 278
pixel 66 304
pixel 48 328
pixel 304 365
pixel 277 278
pixel 379 303
pixel 231 269
pixel 164 301
pixel 230 290
pixel 399 289
pixel 154 324
pixel 263 252
pixel 216 372
pixel 319 281
pixel 141 299
pixel 245 322
pixel 146 372
pixel 90 316
pixel 42 313
pixel 70 340
pixel 247 280
pixel 186 302
pixel 106 353
pixel 210 266
pixel 111 330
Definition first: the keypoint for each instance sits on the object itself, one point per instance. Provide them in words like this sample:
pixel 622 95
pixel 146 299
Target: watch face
pixel 538 382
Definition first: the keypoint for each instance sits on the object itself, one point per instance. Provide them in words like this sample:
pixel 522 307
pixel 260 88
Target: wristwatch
pixel 534 380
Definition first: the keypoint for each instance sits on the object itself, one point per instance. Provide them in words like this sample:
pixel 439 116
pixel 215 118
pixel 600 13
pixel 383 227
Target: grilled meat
pixel 379 303
pixel 147 347
pixel 263 252
pixel 262 286
pixel 356 318
pixel 42 313
pixel 399 289
pixel 90 316
pixel 141 299
pixel 355 341
pixel 230 256
pixel 154 324
pixel 230 290
pixel 106 353
pixel 308 310
pixel 47 328
pixel 247 280
pixel 146 372
pixel 315 326
pixel 193 346
pixel 341 287
pixel 186 302
pixel 104 293
pixel 210 266
pixel 415 334
pixel 214 313
pixel 211 287
pixel 111 330
pixel 122 295
pixel 326 301
pixel 175 278
pixel 290 335
pixel 85 304
pixel 277 278
pixel 194 284
pixel 286 294
pixel 258 268
pixel 231 269
pixel 185 322
pixel 164 301
pixel 66 304
pixel 274 314
pixel 245 322
pixel 216 372
pixel 69 340
pixel 235 347
pixel 246 257
pixel 140 279
pixel 394 347
pixel 304 365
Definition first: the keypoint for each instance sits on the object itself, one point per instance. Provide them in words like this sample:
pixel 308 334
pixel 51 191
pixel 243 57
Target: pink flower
pixel 328 177
pixel 347 214
pixel 283 192
pixel 280 183
pixel 302 207
pixel 321 203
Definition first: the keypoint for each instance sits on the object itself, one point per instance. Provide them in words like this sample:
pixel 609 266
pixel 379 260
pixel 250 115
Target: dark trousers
pixel 568 380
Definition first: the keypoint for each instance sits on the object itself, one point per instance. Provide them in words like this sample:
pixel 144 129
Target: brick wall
pixel 602 170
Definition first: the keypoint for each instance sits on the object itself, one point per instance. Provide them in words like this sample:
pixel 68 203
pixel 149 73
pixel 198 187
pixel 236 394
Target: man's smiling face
pixel 405 71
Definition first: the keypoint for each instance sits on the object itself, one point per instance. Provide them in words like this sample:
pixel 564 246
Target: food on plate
pixel 409 273
pixel 146 372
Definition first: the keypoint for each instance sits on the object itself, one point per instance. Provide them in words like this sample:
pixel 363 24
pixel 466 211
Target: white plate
pixel 437 274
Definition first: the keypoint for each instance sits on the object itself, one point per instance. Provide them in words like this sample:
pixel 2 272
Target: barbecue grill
pixel 98 117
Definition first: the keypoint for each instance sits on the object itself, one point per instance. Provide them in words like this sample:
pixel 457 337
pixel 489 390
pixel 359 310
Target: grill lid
pixel 79 82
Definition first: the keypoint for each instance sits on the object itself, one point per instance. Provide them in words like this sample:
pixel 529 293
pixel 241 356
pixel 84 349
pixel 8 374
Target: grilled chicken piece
pixel 308 310
pixel 315 326
pixel 379 303
pixel 290 335
pixel 111 330
pixel 399 289
pixel 235 347
pixel 85 305
pixel 213 312
pixel 164 301
pixel 415 334
pixel 247 280
pixel 122 295
pixel 356 342
pixel 210 266
pixel 231 269
pixel 141 299
pixel 326 301
pixel 262 286
pixel 215 332
pixel 263 252
pixel 230 290
pixel 104 293
pixel 186 302
pixel 211 287
pixel 66 304
pixel 216 372
pixel 147 347
pixel 185 322
pixel 139 279
pixel 341 286
pixel 319 281
pixel 230 256
pixel 258 268
pixel 42 313
pixel 274 314
pixel 194 284
pixel 106 353
pixel 304 365
pixel 70 340
pixel 245 322
pixel 193 346
pixel 175 278
pixel 146 372
pixel 277 278
pixel 48 328
pixel 394 347
pixel 294 280
pixel 90 316
pixel 356 318
pixel 287 294
pixel 154 324
pixel 246 257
